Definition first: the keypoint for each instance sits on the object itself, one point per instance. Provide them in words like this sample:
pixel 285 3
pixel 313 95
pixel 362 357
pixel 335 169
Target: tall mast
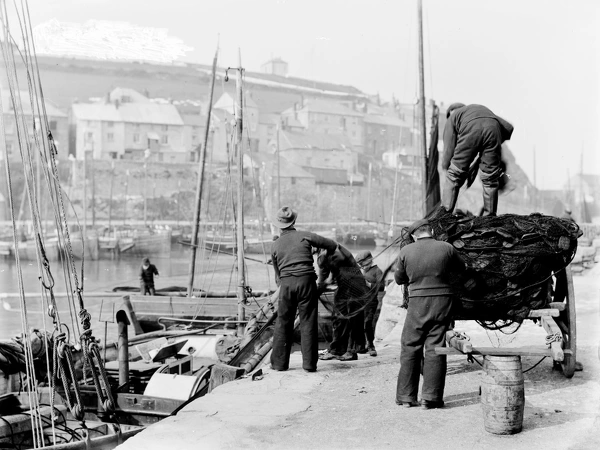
pixel 239 128
pixel 422 127
pixel 201 162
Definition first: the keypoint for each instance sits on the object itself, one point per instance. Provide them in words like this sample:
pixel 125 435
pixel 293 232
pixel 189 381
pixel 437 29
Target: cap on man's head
pixel 286 217
pixel 418 224
pixel 363 257
pixel 146 261
pixel 452 107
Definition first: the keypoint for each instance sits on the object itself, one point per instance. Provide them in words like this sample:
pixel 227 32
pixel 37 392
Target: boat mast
pixel 422 127
pixel 201 160
pixel 239 128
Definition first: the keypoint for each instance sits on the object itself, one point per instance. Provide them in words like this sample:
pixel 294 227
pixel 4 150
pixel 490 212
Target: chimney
pixel 117 103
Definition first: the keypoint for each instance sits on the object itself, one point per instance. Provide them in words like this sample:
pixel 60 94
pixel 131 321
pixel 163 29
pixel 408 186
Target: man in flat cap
pixel 471 131
pixel 350 298
pixel 293 263
pixel 428 267
pixel 374 278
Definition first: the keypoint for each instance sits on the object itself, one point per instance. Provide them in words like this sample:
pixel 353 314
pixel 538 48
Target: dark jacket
pixel 428 267
pixel 147 275
pixel 470 130
pixel 345 273
pixel 292 253
pixel 374 277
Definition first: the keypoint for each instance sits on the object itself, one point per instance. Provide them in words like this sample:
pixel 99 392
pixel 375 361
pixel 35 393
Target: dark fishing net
pixel 352 294
pixel 511 261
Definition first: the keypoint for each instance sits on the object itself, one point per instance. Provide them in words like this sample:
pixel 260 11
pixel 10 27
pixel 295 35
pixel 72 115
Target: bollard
pixel 123 346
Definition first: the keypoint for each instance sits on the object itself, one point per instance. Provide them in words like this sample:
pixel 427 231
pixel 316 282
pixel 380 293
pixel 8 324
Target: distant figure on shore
pixel 473 131
pixel 147 272
pixel 349 302
pixel 374 278
pixel 427 266
pixel 293 263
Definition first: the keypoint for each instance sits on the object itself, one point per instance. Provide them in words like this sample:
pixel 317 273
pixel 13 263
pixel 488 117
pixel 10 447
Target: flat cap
pixel 419 223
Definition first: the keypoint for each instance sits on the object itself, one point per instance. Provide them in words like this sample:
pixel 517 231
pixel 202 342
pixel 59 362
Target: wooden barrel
pixel 503 394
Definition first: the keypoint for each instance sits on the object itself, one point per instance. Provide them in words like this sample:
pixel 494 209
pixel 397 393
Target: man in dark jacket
pixel 374 278
pixel 147 272
pixel 295 275
pixel 472 131
pixel 428 267
pixel 349 301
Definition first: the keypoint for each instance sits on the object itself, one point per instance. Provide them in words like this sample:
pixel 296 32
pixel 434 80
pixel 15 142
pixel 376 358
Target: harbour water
pixel 102 275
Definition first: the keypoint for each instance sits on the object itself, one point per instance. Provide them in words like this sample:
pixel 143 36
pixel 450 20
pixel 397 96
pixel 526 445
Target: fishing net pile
pixel 511 260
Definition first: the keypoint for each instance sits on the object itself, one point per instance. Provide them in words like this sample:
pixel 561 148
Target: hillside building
pixel 124 126
pixel 57 123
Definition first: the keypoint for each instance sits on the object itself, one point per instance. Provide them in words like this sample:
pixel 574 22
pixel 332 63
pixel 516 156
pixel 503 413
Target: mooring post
pixel 123 347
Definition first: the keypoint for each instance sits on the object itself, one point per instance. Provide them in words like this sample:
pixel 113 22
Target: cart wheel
pixel 568 317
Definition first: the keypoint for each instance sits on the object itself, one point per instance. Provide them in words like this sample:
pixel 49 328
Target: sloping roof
pixel 196 120
pixel 307 140
pixel 51 110
pixel 389 121
pixel 151 113
pixel 106 112
pixel 330 107
pixel 119 92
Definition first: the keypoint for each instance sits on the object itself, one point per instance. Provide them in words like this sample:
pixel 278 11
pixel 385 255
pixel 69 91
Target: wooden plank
pixel 557 305
pixel 462 345
pixel 507 351
pixel 536 313
pixel 556 348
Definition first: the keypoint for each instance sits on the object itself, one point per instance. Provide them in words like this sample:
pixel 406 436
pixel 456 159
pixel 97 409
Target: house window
pixel 9 148
pixel 110 137
pixel 53 125
pixel 165 127
pixel 113 155
pixel 164 139
pixel 110 124
pixel 136 126
pixel 194 138
pixel 136 137
pixel 89 136
pixel 293 180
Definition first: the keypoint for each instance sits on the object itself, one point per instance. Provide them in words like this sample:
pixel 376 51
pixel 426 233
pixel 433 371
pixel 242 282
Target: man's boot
pixel 450 195
pixel 490 201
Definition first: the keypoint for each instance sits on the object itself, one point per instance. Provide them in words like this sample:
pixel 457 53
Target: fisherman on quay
pixel 293 263
pixel 147 273
pixel 472 131
pixel 374 279
pixel 349 303
pixel 428 267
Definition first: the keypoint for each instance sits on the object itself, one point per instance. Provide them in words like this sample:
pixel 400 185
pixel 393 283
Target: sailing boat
pixel 213 325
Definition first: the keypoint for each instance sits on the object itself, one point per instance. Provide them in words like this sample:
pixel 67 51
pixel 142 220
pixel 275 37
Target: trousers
pixel 427 320
pixel 147 288
pixel 348 326
pixel 296 294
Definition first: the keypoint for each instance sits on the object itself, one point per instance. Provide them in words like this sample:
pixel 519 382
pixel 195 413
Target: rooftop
pixel 150 113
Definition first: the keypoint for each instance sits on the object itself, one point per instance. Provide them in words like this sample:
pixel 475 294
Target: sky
pixel 536 62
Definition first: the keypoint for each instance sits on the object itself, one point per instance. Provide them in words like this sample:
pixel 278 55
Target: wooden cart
pixel 559 321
